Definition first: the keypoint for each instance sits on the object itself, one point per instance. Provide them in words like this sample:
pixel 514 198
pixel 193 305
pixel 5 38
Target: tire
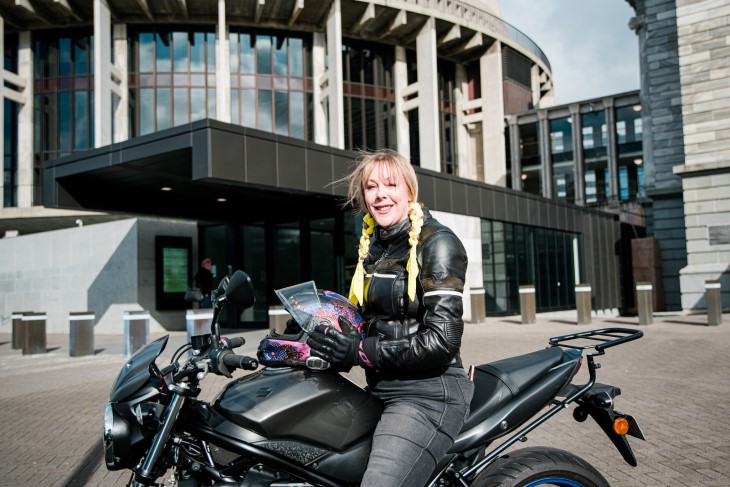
pixel 531 467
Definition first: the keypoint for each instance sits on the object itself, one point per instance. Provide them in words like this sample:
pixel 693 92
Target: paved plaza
pixel 674 380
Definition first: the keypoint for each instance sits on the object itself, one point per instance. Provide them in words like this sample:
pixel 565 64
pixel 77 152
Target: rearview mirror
pixel 240 290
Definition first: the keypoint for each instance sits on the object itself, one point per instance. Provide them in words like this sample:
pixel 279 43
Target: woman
pixel 408 282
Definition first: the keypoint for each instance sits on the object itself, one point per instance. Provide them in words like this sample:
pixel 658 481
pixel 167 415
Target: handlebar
pixel 231 343
pixel 239 361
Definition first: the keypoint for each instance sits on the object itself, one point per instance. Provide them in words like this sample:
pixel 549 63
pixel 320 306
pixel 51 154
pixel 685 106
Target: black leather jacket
pixel 422 336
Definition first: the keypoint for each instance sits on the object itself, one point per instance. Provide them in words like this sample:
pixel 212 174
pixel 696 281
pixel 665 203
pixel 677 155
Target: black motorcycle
pixel 304 426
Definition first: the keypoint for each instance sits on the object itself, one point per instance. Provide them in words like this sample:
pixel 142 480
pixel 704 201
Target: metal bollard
pixel 583 303
pixel 478 306
pixel 81 333
pixel 645 302
pixel 278 317
pixel 136 331
pixel 714 303
pixel 527 304
pixel 18 329
pixel 34 339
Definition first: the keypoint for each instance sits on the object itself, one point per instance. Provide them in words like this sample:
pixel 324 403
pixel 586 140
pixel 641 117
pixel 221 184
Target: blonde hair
pixel 394 165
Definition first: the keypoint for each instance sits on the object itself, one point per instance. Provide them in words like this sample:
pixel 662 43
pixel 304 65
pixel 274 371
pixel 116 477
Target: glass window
pixel 263 55
pixel 280 65
pixel 233 51
pixel 210 43
pixel 163 108
pixel 296 106
pixel 597 177
pixel 197 52
pixel 146 111
pixel 282 112
pixel 248 108
pixel 197 104
pixel 181 105
pixel 356 112
pixel 80 56
pixel 248 64
pixel 180 51
pixel 162 52
pixel 264 110
pixel 64 57
pixel 235 112
pixel 81 119
pixel 146 52
pixel 296 57
pixel 211 102
pixel 64 122
pixel 561 158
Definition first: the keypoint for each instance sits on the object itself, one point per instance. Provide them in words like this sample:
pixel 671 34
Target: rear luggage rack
pixel 606 338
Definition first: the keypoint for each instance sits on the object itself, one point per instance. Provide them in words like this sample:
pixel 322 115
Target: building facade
pixel 684 91
pixel 238 115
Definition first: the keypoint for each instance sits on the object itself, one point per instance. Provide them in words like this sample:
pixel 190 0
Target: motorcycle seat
pixel 497 382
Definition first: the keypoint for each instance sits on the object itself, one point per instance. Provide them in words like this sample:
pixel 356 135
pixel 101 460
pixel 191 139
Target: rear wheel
pixel 543 466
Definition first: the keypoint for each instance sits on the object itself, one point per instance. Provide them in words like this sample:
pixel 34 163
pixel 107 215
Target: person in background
pixel 204 281
pixel 408 283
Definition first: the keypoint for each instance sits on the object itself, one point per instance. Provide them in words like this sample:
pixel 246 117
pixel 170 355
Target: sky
pixel 591 49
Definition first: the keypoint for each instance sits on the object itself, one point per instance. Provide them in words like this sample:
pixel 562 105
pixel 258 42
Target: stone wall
pixel 704 61
pixel 656 26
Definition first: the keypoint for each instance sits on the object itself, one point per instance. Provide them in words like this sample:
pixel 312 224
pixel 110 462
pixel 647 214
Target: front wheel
pixel 540 466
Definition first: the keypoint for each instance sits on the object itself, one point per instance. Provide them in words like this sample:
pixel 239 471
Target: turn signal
pixel 620 426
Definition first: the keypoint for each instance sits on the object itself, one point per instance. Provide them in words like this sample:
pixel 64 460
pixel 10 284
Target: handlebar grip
pixel 240 362
pixel 233 342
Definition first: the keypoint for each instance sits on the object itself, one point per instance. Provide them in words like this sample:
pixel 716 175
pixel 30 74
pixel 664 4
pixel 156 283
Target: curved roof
pixel 465 28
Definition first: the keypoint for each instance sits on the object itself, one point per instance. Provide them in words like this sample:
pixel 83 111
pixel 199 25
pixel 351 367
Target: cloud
pixel 591 50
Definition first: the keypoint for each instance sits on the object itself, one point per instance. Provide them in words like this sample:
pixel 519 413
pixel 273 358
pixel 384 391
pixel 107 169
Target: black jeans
pixel 421 419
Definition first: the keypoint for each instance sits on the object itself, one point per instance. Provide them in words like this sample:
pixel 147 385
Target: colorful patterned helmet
pixel 308 306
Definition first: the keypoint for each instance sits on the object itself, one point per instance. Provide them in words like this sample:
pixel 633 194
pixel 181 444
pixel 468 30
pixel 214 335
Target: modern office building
pixel 590 154
pixel 185 129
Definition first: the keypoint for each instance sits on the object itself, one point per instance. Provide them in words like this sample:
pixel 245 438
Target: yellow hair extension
pixel 358 279
pixel 416 215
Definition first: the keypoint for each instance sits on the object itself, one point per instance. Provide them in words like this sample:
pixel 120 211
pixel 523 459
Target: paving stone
pixel 673 380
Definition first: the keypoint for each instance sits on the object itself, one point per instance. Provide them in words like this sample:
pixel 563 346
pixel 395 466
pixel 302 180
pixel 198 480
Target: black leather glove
pixel 339 349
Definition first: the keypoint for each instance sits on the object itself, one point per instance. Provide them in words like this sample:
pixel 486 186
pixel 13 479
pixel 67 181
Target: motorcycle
pixel 311 426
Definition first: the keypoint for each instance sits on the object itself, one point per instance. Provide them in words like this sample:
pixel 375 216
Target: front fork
pixel 145 475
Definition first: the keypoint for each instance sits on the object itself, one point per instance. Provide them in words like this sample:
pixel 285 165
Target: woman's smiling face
pixel 386 195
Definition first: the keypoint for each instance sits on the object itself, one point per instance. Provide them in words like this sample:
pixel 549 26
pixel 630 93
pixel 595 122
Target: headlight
pixel 117 444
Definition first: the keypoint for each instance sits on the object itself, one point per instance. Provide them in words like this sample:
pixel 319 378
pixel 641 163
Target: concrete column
pixel 400 80
pixel 121 112
pixel 319 71
pixel 612 147
pixel 222 67
pixel 578 160
pixel 429 134
pixel 25 122
pixel 102 74
pixel 535 85
pixel 514 143
pixel 465 161
pixel 546 167
pixel 335 83
pixel 492 87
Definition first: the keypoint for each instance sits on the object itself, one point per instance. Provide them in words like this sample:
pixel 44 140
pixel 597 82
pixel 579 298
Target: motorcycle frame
pixel 619 335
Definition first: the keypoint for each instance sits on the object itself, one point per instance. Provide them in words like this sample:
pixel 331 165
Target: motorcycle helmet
pixel 308 307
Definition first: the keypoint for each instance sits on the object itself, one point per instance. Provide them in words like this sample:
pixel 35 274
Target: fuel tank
pixel 320 407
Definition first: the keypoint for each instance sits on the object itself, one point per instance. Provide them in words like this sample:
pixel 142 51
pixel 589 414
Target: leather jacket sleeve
pixel 436 343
